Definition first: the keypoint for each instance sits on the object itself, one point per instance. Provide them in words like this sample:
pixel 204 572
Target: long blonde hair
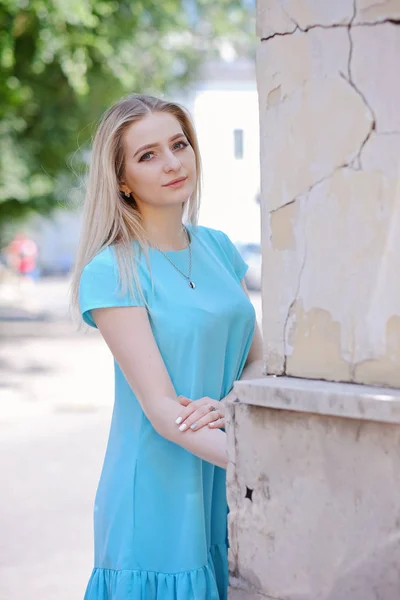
pixel 109 219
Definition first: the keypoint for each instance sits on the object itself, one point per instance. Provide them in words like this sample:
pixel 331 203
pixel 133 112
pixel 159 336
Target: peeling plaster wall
pixel 314 513
pixel 329 97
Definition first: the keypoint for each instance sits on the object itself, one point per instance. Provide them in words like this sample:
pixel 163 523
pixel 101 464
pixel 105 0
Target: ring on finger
pixel 211 408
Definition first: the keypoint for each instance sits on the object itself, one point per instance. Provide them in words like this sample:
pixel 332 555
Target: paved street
pixel 50 469
pixel 56 389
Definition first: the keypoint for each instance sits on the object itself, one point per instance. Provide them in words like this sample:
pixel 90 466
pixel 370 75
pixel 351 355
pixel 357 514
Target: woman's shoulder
pixel 208 233
pixel 103 260
pixel 215 238
pixel 110 264
pixel 221 245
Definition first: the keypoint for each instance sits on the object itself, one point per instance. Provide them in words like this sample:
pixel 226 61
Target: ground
pixel 56 396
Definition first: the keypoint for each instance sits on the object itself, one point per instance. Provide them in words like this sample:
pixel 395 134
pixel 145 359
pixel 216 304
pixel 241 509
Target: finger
pixel 184 401
pixel 205 420
pixel 185 413
pixel 190 409
pixel 218 424
pixel 194 417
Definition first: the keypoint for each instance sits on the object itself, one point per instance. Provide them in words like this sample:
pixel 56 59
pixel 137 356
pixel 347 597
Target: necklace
pixel 189 276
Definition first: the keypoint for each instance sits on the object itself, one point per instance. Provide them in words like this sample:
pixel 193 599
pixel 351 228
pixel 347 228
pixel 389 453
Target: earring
pixel 127 195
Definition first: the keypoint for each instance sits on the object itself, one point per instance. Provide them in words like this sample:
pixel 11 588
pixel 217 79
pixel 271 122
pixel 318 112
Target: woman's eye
pixel 180 145
pixel 146 156
pixel 177 146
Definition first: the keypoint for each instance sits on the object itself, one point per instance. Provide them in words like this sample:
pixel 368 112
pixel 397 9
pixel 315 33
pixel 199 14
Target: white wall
pixel 231 185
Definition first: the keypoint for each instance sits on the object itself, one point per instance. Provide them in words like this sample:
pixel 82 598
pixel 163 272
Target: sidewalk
pixel 23 299
pixel 46 365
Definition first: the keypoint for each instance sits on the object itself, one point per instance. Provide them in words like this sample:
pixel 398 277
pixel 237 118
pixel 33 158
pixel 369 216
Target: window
pixel 238 143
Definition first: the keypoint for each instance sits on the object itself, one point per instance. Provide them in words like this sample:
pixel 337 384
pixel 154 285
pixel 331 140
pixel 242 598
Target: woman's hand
pixel 200 413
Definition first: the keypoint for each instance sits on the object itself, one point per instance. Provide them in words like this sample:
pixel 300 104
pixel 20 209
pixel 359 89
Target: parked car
pixel 251 253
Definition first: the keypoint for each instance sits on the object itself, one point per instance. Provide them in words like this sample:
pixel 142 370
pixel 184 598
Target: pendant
pixel 192 285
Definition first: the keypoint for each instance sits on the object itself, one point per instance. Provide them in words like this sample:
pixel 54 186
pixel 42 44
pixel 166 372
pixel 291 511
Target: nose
pixel 172 162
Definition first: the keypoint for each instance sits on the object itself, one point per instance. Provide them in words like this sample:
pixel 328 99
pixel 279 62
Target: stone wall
pixel 330 148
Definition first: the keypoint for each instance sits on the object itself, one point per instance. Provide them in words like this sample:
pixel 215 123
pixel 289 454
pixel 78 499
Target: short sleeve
pixel 239 265
pixel 100 287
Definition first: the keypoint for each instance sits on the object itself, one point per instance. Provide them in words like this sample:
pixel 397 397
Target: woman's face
pixel 160 165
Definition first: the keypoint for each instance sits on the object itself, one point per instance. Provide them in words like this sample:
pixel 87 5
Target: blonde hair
pixel 110 219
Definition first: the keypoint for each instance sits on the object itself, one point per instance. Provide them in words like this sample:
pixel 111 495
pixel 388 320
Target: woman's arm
pixel 128 334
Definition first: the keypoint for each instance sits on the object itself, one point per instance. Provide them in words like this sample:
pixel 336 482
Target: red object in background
pixel 24 253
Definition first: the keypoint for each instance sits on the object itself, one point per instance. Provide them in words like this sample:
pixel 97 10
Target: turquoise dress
pixel 160 514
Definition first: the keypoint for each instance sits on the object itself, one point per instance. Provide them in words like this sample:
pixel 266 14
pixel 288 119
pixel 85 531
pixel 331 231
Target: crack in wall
pixel 274 210
pixel 374 23
pixel 349 25
pixel 297 199
pixel 351 46
pixel 348 78
pixel 372 128
pixel 289 312
pixel 304 30
pixel 285 12
pixel 355 163
pixel 350 81
pixel 314 185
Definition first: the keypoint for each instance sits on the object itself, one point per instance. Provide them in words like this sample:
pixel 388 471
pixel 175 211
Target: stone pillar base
pixel 314 491
pixel 238 590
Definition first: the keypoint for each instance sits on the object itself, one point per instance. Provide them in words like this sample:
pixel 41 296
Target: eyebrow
pixel 148 146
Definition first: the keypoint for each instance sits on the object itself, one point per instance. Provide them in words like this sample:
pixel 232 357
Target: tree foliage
pixel 62 62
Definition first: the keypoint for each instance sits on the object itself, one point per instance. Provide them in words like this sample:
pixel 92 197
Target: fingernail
pixel 179 420
pixel 183 427
pixel 194 426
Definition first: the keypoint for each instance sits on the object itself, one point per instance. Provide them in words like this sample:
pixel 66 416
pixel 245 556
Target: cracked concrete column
pixel 310 516
pixel 330 136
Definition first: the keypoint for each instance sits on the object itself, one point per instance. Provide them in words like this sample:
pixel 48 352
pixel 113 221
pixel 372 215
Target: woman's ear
pixel 123 188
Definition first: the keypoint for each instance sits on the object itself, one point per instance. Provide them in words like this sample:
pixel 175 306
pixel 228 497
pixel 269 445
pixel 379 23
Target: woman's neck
pixel 165 231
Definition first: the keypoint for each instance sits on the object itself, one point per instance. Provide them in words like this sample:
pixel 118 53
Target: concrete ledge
pixel 346 400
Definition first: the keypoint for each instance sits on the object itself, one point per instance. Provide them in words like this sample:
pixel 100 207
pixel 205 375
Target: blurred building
pixel 224 105
pixel 57 239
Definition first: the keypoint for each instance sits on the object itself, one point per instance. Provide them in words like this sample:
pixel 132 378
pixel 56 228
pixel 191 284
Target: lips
pixel 175 181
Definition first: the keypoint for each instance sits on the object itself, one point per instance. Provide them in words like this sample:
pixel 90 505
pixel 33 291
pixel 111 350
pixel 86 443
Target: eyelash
pixel 185 145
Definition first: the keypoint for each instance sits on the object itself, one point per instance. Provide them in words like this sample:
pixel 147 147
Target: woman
pixel 170 302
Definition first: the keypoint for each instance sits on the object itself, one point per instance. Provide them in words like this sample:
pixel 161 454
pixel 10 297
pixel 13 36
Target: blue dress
pixel 160 514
